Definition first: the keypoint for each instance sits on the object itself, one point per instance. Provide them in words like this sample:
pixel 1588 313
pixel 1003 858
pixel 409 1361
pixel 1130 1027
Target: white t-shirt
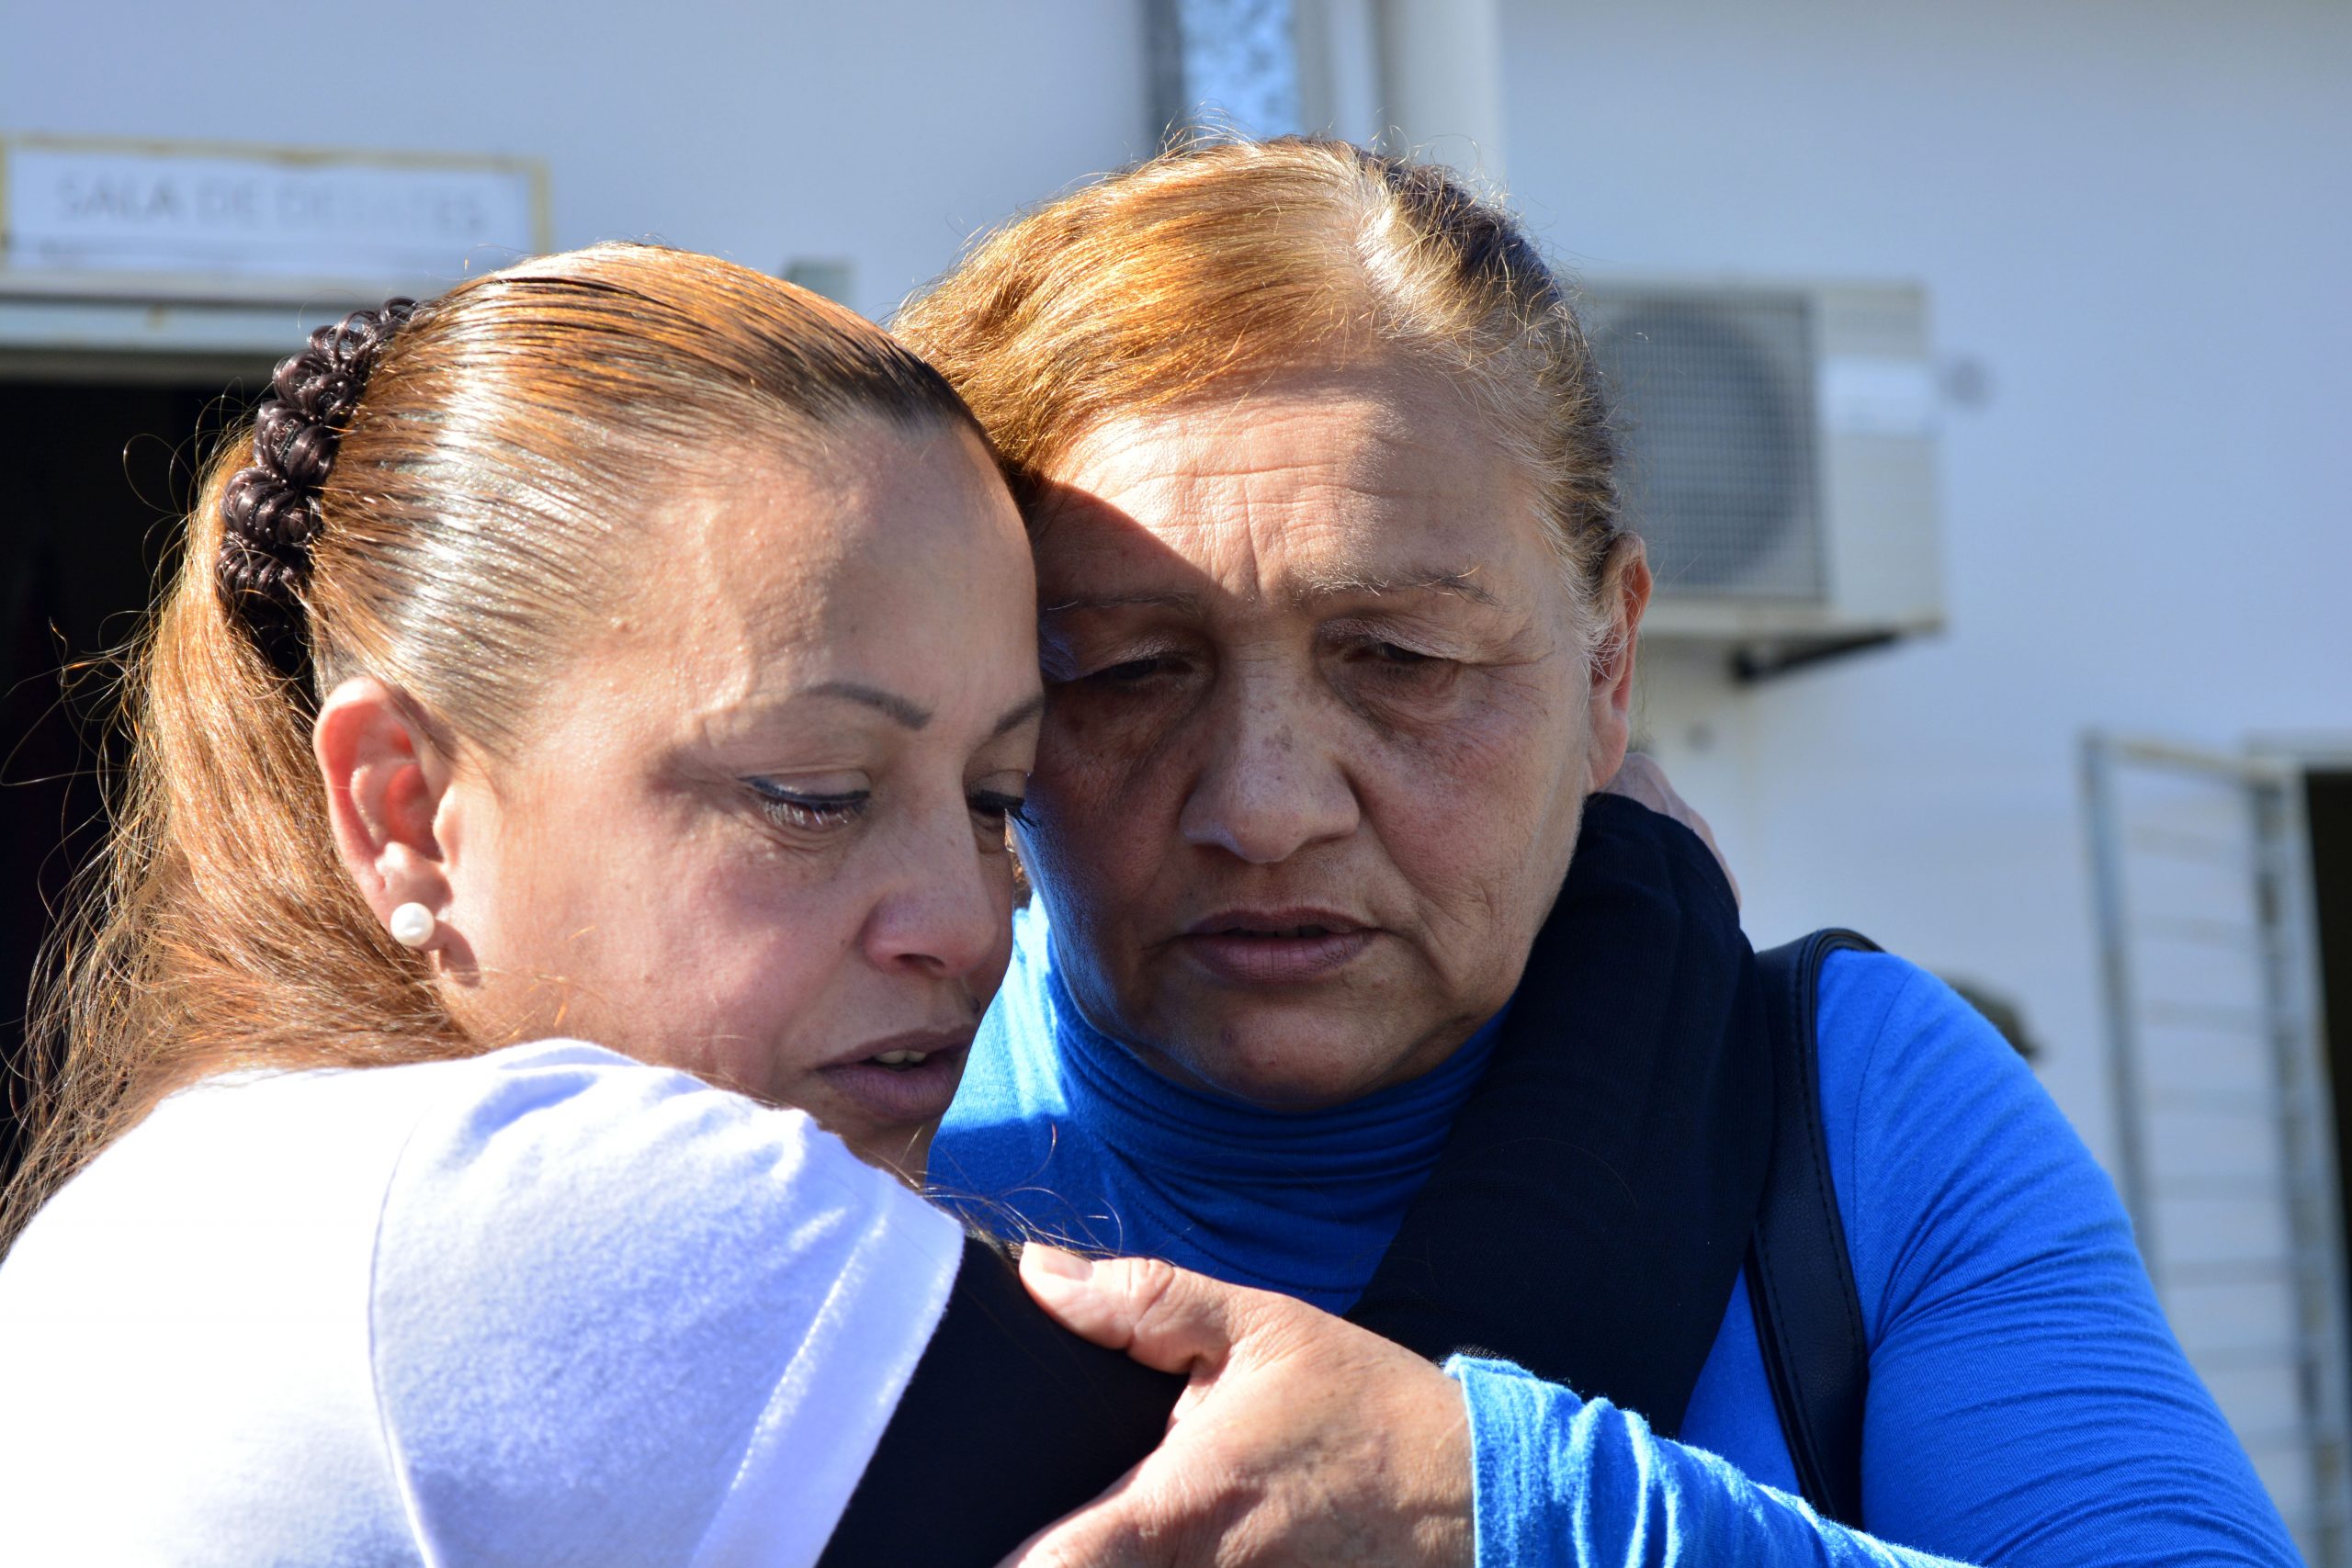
pixel 546 1306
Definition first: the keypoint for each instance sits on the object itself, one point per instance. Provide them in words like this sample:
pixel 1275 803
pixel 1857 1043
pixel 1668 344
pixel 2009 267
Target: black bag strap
pixel 1800 1280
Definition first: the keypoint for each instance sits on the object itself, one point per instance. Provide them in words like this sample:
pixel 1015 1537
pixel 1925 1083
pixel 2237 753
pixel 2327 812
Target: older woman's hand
pixel 1301 1440
pixel 1642 779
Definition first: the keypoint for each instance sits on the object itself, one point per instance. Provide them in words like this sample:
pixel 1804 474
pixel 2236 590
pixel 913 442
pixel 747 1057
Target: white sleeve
pixel 621 1317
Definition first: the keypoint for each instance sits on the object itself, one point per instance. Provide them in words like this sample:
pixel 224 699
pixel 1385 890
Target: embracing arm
pixel 2027 1405
pixel 1567 1483
pixel 1305 1440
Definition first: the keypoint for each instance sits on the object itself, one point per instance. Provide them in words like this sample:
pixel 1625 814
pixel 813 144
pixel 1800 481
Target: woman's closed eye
pixel 809 810
pixel 1386 653
pixel 1134 672
pixel 1385 669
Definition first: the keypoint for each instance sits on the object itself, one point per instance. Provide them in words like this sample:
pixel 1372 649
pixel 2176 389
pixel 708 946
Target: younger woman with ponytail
pixel 624 647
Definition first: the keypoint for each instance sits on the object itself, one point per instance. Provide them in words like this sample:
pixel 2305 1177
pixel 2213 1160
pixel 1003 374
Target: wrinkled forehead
pixel 1280 485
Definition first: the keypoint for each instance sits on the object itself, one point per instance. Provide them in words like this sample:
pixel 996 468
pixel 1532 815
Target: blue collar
pixel 1305 1201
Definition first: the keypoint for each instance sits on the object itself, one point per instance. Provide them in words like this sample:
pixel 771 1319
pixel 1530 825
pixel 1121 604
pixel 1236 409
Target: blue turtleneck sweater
pixel 1108 1154
pixel 2027 1404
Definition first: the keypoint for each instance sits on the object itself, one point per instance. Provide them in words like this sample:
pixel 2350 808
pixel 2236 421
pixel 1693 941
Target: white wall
pixel 2139 217
pixel 885 133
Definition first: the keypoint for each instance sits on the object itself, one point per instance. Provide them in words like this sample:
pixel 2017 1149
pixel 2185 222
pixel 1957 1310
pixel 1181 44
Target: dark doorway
pixel 2327 807
pixel 98 475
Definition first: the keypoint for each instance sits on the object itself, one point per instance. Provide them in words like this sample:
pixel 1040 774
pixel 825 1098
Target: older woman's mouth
pixel 1276 947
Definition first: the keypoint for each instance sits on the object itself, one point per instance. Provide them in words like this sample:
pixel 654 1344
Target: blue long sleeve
pixel 2027 1404
pixel 1560 1481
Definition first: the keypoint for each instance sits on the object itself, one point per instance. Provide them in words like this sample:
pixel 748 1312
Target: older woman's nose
pixel 1270 785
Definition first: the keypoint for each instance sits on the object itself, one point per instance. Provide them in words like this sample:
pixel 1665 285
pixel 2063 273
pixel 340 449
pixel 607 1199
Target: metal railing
pixel 2201 872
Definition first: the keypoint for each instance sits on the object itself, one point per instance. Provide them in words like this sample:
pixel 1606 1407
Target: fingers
pixel 1166 1318
pixel 1640 779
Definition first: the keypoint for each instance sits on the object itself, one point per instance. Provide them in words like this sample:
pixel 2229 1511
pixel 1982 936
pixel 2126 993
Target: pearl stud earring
pixel 412 925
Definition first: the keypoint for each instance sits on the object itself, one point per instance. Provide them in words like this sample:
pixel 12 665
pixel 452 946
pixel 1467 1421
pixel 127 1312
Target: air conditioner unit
pixel 1779 459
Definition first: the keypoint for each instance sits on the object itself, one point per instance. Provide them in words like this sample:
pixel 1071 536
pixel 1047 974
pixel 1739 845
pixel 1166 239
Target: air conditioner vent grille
pixel 1714 397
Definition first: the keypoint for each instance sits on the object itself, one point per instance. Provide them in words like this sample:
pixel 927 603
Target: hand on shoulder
pixel 1301 1439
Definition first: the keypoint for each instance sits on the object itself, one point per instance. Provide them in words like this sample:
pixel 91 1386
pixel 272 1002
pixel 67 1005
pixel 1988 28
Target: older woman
pixel 1337 624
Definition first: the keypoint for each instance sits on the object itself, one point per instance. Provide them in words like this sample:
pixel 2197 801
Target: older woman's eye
pixel 1380 651
pixel 1390 671
pixel 1133 671
pixel 1398 653
pixel 807 812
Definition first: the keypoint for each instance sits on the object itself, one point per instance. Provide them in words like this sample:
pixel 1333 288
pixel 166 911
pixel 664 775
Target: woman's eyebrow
pixel 1458 583
pixel 1170 601
pixel 1454 582
pixel 905 711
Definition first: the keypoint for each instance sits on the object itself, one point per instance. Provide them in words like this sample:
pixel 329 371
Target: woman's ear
pixel 385 779
pixel 1624 595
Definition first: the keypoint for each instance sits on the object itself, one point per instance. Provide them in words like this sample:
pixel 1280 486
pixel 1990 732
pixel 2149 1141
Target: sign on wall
pixel 75 206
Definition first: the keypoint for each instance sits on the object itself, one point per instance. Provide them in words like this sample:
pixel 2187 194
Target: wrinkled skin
pixel 1315 669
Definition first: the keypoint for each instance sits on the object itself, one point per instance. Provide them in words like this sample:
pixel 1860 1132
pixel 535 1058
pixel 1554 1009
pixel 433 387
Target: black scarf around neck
pixel 1591 1208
